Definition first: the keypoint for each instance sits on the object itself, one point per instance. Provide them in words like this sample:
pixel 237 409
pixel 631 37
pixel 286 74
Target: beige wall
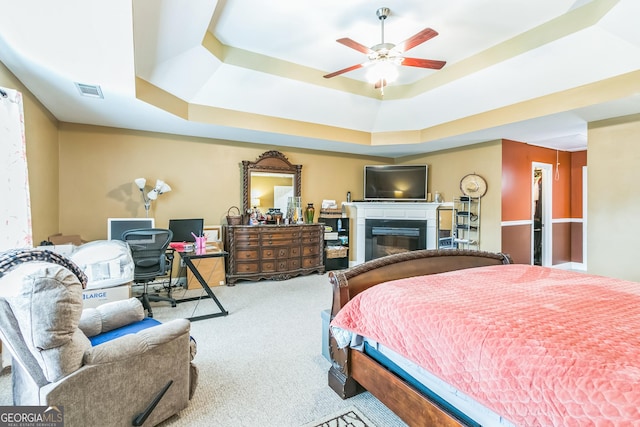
pixel 98 166
pixel 447 167
pixel 613 201
pixel 42 154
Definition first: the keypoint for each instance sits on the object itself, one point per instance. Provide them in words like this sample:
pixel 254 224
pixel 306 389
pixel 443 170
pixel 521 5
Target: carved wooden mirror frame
pixel 269 161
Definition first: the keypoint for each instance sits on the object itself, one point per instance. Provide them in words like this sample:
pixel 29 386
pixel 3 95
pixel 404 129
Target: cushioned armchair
pixel 138 378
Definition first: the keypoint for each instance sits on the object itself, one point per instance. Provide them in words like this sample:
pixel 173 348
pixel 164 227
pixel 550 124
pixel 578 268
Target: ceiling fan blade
pixel 354 45
pixel 417 39
pixel 344 70
pixel 423 63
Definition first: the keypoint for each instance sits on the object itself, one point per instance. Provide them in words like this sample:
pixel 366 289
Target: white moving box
pixel 92 298
pixel 109 268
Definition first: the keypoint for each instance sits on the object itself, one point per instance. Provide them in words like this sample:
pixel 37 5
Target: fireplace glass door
pixel 388 237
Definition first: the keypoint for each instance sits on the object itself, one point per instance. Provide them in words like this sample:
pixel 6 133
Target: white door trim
pixel 584 217
pixel 547 205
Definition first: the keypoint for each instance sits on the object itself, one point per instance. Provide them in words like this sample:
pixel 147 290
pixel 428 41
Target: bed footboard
pixel 349 372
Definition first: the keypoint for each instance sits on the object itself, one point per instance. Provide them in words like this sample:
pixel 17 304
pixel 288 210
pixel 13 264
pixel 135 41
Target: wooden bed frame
pixel 352 371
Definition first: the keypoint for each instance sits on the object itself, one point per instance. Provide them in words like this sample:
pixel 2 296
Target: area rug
pixel 348 417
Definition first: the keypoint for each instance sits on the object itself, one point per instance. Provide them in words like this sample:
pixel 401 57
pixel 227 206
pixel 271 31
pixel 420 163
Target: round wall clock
pixel 473 185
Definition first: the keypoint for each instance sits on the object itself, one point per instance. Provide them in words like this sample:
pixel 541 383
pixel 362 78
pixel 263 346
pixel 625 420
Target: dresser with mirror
pixel 272 251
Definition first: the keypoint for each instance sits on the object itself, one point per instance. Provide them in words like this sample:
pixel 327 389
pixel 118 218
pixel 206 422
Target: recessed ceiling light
pixel 92 91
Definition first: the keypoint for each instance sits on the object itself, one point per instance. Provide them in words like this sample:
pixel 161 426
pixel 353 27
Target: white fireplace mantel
pixel 359 212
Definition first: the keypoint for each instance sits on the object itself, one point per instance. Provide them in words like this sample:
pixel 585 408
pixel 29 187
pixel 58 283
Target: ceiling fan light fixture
pixel 385 71
pixel 385 58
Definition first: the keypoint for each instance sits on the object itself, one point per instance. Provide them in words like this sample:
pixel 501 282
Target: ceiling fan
pixel 385 56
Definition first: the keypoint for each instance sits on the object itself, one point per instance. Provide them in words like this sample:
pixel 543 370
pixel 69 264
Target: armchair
pixel 135 378
pixel 149 251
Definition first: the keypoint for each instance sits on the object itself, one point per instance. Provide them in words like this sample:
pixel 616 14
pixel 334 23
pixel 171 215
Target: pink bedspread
pixel 539 346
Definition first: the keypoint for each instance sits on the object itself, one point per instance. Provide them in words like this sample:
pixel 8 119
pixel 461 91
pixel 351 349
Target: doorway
pixel 541 203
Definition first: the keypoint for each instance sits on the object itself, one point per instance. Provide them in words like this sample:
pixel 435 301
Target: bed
pixel 456 337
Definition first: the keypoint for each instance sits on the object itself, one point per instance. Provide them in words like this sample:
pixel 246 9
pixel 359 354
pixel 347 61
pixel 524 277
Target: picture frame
pixel 213 233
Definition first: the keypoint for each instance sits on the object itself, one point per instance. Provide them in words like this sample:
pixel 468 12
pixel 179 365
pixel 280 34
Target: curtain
pixel 15 205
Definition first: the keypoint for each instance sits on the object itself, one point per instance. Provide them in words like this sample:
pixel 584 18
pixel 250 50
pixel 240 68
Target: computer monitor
pixel 182 229
pixel 117 226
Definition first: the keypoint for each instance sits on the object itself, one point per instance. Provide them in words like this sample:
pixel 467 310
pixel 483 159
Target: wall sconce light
pixel 160 188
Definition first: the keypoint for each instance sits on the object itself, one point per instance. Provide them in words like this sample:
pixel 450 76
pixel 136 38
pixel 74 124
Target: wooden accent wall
pixel 578 161
pixel 561 236
pixel 516 241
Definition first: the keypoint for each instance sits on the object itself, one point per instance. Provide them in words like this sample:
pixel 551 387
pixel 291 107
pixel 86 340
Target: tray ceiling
pixel 251 71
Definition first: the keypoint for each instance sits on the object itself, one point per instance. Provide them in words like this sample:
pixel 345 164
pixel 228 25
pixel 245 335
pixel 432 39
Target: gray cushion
pixel 111 315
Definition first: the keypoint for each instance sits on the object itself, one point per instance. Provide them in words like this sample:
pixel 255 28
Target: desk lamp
pixel 160 188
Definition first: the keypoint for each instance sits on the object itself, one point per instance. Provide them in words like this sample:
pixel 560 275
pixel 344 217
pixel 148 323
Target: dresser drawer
pixel 268 266
pixel 294 263
pixel 311 250
pixel 295 251
pixel 240 235
pixel 312 233
pixel 247 254
pixel 306 240
pixel 247 267
pixel 268 253
pixel 310 262
pixel 275 252
pixel 247 243
pixel 279 241
pixel 284 234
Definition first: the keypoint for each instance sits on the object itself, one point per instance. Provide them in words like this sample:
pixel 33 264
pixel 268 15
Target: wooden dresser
pixel 276 252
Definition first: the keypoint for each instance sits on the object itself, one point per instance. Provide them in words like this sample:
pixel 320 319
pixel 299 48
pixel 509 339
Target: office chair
pixel 149 252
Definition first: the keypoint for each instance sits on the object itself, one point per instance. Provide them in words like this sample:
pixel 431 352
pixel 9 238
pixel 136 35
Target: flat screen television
pixel 395 182
pixel 182 229
pixel 117 226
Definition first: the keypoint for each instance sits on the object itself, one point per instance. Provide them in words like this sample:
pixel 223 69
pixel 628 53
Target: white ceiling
pixel 251 71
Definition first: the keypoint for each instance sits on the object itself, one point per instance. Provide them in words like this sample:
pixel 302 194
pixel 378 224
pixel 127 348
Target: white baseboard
pixel 576 266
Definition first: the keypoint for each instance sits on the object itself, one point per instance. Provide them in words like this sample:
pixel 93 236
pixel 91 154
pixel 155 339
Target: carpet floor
pixel 261 365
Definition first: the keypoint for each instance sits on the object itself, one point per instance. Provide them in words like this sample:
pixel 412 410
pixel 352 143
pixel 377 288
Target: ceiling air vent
pixel 92 91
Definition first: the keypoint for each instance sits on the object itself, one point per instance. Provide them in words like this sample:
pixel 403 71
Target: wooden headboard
pixel 349 283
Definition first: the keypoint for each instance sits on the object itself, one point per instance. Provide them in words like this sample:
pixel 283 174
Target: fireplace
pixel 410 215
pixel 387 237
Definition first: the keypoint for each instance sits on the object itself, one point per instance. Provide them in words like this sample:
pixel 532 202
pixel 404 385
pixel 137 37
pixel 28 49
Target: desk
pixel 188 258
